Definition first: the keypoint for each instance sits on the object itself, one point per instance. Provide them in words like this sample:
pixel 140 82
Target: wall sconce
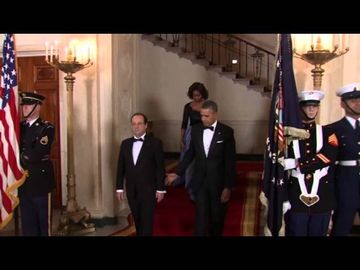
pixel 318 49
pixel 257 63
pixel 76 58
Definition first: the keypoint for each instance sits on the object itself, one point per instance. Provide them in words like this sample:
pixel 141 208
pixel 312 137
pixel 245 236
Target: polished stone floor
pixel 9 230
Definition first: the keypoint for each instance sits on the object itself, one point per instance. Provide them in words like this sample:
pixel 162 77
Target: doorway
pixel 35 74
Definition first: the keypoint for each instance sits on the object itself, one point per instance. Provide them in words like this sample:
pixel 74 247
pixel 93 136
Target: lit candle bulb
pixel 66 52
pixel 56 49
pixel 346 40
pixel 51 53
pixel 69 55
pixel 74 53
pixel 46 51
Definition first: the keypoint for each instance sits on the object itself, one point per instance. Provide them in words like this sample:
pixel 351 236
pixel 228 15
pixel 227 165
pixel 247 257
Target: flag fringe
pixel 294 133
pixel 15 200
pixel 265 202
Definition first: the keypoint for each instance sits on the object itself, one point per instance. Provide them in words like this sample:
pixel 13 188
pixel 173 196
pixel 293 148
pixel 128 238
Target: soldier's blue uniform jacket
pixel 347 177
pixel 35 158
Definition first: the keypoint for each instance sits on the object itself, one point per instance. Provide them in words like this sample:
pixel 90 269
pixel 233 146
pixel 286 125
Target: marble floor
pixel 9 230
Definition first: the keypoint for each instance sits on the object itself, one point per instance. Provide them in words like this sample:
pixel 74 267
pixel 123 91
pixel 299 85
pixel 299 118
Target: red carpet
pixel 175 215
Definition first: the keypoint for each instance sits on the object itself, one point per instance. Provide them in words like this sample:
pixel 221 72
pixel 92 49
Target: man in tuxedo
pixel 141 163
pixel 213 147
pixel 35 194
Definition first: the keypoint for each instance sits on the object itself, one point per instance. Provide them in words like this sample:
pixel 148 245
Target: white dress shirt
pixel 137 148
pixel 352 121
pixel 29 123
pixel 207 138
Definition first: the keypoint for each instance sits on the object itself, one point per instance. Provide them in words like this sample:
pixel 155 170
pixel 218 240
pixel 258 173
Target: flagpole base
pixel 75 223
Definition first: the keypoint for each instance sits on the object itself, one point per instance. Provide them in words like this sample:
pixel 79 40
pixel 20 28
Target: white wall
pixel 338 72
pixel 92 91
pixel 266 41
pixel 164 78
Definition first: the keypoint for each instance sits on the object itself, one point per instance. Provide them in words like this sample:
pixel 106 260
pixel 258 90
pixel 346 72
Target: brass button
pixel 307 151
pixel 308 176
pixel 307 144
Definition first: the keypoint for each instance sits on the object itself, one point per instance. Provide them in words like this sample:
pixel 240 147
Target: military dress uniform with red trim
pixel 311 186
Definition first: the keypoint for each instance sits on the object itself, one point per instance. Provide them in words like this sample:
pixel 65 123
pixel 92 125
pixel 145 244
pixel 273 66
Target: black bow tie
pixel 138 140
pixel 211 128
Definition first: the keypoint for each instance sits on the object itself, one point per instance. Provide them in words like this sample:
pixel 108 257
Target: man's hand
pixel 120 195
pixel 182 145
pixel 225 195
pixel 170 178
pixel 159 196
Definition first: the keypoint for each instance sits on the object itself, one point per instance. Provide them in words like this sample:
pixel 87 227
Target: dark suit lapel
pixel 200 136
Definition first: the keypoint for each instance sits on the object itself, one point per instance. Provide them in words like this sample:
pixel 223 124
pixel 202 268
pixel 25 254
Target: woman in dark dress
pixel 191 116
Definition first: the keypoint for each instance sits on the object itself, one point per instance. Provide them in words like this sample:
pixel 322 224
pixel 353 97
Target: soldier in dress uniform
pixel 35 194
pixel 311 185
pixel 347 172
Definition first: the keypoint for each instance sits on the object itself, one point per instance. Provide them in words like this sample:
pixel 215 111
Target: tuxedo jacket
pixel 149 173
pixel 347 177
pixel 35 150
pixel 217 170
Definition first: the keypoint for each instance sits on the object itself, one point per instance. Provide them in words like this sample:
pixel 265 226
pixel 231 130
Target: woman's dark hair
pixel 197 86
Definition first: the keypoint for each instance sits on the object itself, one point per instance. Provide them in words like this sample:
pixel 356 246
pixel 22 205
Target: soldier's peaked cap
pixel 311 97
pixel 349 91
pixel 30 98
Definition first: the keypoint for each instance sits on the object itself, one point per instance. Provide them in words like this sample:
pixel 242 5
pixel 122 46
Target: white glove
pixel 286 206
pixel 289 163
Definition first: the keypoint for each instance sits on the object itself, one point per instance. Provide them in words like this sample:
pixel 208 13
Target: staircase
pixel 226 54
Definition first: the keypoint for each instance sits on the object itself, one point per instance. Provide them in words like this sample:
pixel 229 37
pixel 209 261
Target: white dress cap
pixel 311 95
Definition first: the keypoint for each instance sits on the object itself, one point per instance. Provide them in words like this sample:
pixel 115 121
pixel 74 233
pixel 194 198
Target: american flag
pixel 11 173
pixel 284 124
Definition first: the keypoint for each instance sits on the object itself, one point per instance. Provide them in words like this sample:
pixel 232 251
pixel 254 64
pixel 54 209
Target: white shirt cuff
pixel 161 191
pixel 119 190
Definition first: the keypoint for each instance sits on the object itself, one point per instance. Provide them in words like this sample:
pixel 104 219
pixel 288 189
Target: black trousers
pixel 35 215
pixel 210 213
pixel 142 206
pixel 305 224
pixel 343 221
